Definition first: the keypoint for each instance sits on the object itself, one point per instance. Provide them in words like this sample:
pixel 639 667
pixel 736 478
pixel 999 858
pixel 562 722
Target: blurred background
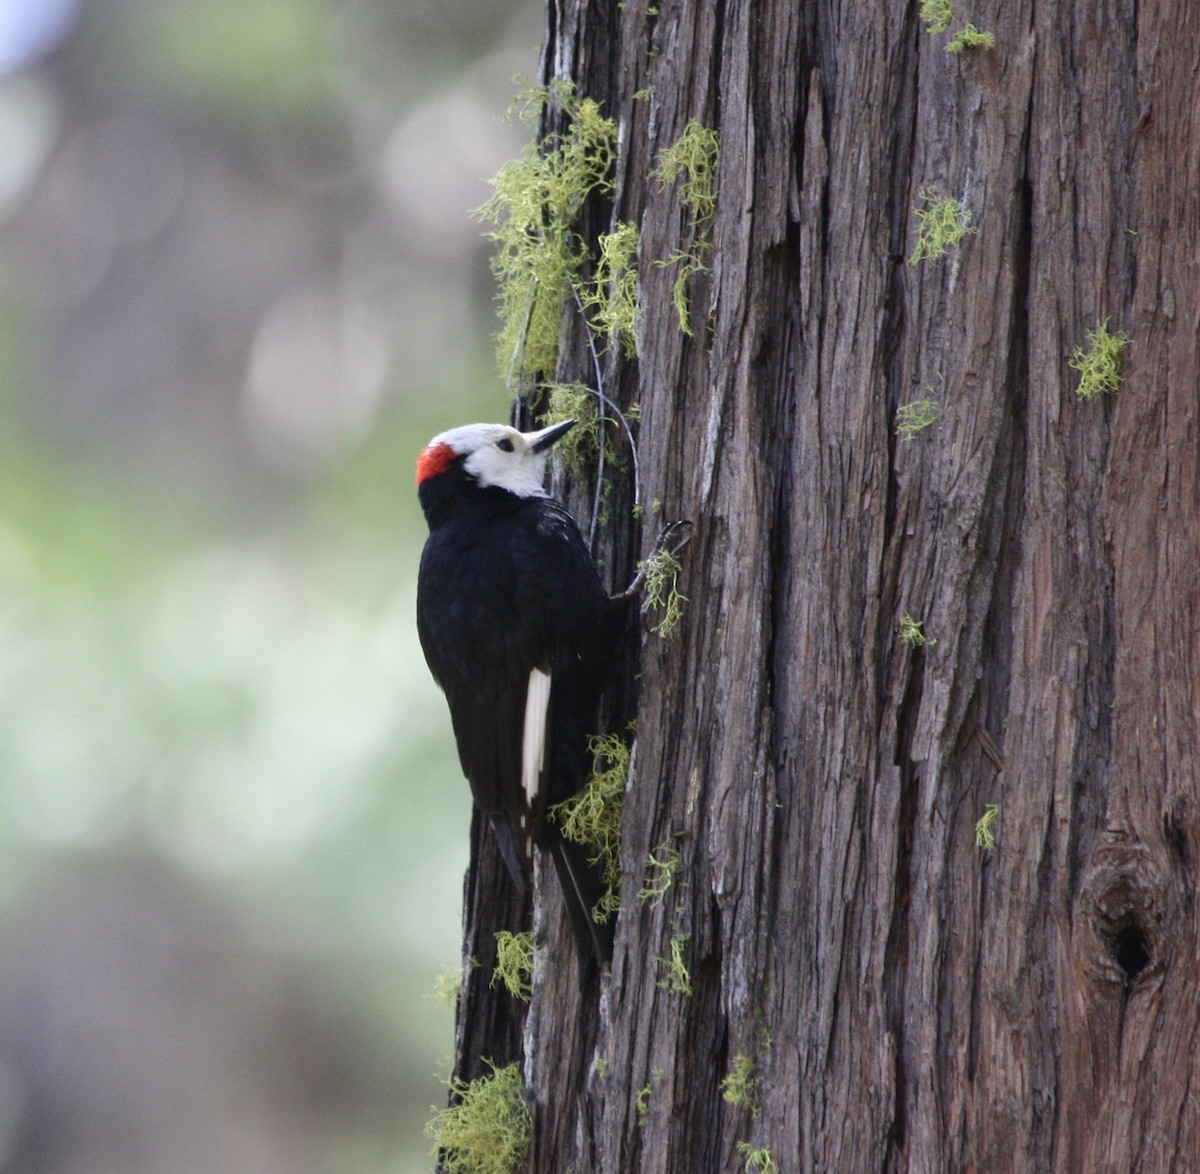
pixel 239 288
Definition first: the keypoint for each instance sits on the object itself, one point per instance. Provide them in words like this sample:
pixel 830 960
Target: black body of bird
pixel 520 634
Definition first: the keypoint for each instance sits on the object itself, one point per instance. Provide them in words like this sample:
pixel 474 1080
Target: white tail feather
pixel 533 741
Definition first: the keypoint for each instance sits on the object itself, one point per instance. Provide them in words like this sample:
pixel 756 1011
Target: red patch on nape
pixel 434 460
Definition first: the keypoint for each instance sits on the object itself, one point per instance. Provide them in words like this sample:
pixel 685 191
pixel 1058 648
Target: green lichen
pixel 1099 367
pixel 662 592
pixel 578 450
pixel 642 1103
pixel 985 828
pixel 941 226
pixel 514 964
pixel 639 510
pixel 740 1087
pixel 677 978
pixel 613 295
pixel 663 865
pixel 487 1131
pixel 913 418
pixel 689 265
pixel 536 201
pixel 692 158
pixel 970 37
pixel 448 984
pixel 600 1067
pixel 936 15
pixel 757 1158
pixel 912 634
pixel 593 817
pixel 691 163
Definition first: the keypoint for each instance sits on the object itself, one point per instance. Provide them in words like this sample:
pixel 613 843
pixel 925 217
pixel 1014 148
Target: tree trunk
pixel 909 1001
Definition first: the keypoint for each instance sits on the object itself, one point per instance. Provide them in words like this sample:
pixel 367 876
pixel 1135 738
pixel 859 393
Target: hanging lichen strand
pixel 539 255
pixel 487 1130
pixel 541 263
pixel 593 817
pixel 613 297
pixel 690 165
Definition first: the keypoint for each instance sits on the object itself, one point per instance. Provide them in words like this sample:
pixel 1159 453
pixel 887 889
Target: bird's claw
pixel 673 538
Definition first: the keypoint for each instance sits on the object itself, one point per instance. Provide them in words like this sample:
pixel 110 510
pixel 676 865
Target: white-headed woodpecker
pixel 521 634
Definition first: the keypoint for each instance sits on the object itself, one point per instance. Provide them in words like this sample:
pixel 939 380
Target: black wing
pixel 516 590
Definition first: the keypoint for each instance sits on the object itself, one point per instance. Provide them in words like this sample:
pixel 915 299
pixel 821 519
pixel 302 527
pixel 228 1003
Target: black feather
pixel 507 584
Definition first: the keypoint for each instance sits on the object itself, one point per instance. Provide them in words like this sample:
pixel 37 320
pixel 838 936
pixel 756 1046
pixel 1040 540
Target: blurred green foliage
pixel 229 676
pixel 231 53
pixel 255 707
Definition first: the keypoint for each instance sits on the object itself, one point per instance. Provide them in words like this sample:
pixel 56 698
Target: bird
pixel 521 635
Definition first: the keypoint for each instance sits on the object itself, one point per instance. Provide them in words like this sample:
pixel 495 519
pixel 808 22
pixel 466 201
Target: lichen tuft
pixel 740 1086
pixel 662 570
pixel 985 828
pixel 488 1130
pixel 757 1158
pixel 448 984
pixel 613 295
pixel 936 15
pixel 514 963
pixel 970 37
pixel 663 864
pixel 536 200
pixel 914 417
pixel 941 226
pixel 593 817
pixel 912 632
pixel 692 158
pixel 677 978
pixel 1099 367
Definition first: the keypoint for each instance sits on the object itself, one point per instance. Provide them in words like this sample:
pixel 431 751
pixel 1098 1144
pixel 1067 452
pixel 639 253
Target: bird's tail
pixel 583 888
pixel 507 844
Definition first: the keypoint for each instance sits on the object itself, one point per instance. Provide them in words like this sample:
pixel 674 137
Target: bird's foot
pixel 672 539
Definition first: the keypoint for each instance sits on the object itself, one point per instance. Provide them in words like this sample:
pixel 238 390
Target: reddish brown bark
pixel 910 1002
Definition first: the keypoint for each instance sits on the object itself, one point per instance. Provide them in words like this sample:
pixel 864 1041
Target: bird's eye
pixel 504 445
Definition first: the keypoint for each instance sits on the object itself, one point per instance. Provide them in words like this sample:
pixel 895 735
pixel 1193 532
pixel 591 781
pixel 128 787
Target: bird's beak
pixel 540 441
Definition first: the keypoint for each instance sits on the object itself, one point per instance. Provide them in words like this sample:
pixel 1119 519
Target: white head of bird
pixel 495 455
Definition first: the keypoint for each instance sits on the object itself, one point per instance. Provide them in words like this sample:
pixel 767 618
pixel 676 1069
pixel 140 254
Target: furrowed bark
pixel 910 1001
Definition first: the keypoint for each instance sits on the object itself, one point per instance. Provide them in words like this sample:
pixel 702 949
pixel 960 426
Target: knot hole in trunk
pixel 1126 906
